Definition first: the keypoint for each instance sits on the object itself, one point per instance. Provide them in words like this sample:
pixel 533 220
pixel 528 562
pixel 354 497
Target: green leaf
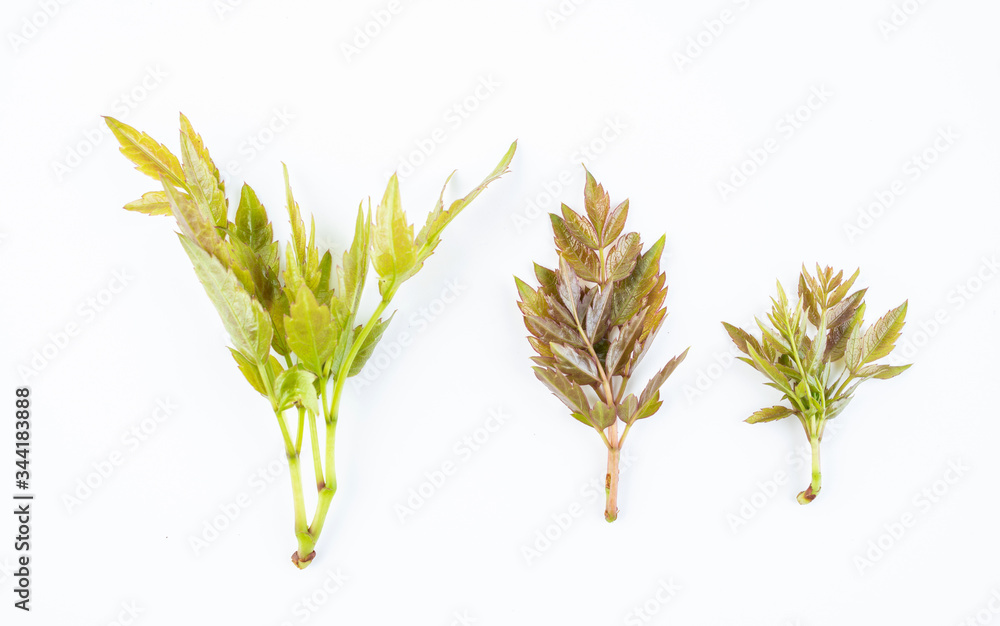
pixel 769 370
pixel 250 371
pixel 150 157
pixel 252 226
pixel 429 236
pixel 311 331
pixel 353 272
pixel 836 341
pixel 368 345
pixel 880 338
pixel 248 325
pixel 770 414
pixel 602 415
pixel 622 257
pixel 630 291
pixel 151 203
pixel 582 230
pixel 295 386
pixel 882 372
pixel 393 251
pixel 202 177
pixel 532 302
pixel 741 338
pixel 298 246
pixel 628 408
pixel 546 279
pixel 195 225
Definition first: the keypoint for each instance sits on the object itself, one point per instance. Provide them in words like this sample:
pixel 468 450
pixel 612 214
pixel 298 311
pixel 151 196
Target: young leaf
pixel 355 268
pixel 368 346
pixel 295 386
pixel 246 322
pixel 151 203
pixel 769 414
pixel 311 331
pixel 393 251
pixel 582 230
pixel 622 257
pixel 202 177
pixel 150 157
pixel 880 338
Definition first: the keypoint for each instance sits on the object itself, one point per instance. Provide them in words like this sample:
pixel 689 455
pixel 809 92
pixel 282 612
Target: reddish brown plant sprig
pixel 593 319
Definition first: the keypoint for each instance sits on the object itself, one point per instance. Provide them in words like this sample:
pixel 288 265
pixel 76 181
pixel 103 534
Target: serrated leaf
pixel 250 371
pixel 575 364
pixel 602 415
pixel 597 203
pixel 628 408
pixel 368 345
pixel 622 345
pixel 571 394
pixel 532 302
pixel 393 251
pixel 622 257
pixel 295 386
pixel 836 342
pixel 549 331
pixel 769 370
pixel 741 338
pixel 202 177
pixel 583 260
pixel 660 377
pixel 429 236
pixel 769 414
pixel 883 372
pixel 311 331
pixel 568 287
pixel 615 223
pixel 842 312
pixel 630 291
pixel 353 272
pixel 193 224
pixel 598 313
pixel 149 156
pixel 298 246
pixel 248 325
pixel 880 338
pixel 151 203
pixel 546 279
pixel 252 225
pixel 581 229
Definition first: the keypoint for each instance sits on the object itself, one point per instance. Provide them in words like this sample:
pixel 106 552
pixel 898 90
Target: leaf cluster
pixel 306 311
pixel 593 318
pixel 817 352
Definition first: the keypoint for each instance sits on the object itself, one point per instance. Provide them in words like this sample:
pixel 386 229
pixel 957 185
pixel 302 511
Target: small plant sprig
pixel 816 354
pixel 305 314
pixel 592 321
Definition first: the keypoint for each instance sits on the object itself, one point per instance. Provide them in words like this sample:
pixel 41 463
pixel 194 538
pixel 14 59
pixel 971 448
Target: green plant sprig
pixel 592 321
pixel 816 354
pixel 306 313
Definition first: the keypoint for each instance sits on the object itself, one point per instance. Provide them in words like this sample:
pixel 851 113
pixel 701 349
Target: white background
pixel 663 119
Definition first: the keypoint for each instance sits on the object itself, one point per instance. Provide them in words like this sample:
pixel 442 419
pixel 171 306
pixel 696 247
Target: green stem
pixel 812 490
pixel 611 479
pixel 317 459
